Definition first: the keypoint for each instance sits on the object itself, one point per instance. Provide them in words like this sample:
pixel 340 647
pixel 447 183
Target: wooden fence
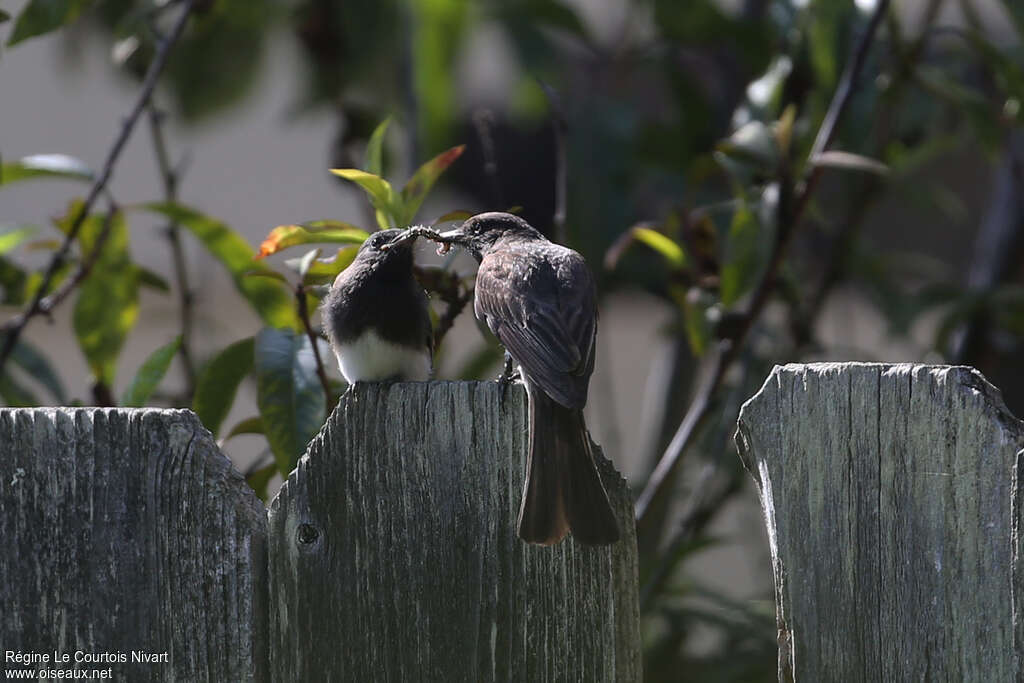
pixel 389 555
pixel 890 493
pixel 892 499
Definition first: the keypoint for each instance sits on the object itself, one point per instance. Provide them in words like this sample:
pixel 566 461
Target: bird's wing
pixel 544 312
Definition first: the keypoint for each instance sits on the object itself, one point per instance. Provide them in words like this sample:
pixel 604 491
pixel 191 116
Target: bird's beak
pixel 407 236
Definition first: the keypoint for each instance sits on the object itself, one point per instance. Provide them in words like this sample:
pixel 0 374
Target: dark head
pixel 398 257
pixel 479 233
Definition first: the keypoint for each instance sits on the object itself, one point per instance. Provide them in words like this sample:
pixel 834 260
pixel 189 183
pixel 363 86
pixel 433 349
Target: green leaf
pixel 14 394
pixel 752 143
pixel 149 375
pixel 740 269
pixel 695 319
pixel 12 238
pixel 35 364
pixel 306 262
pixel 457 215
pixel 259 479
pixel 108 300
pixel 13 283
pixel 42 16
pixel 44 166
pixel 323 271
pixel 288 393
pixel 383 198
pixel 147 278
pixel 4 16
pixel 270 300
pixel 416 190
pixel 218 383
pixel 284 236
pixel 250 425
pixel 219 59
pixel 850 162
pixel 375 149
pixel 670 250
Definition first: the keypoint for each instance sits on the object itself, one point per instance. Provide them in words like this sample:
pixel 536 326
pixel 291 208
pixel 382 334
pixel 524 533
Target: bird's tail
pixel 563 488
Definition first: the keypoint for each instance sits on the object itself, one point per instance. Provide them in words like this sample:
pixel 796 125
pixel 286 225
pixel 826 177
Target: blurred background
pixel 671 143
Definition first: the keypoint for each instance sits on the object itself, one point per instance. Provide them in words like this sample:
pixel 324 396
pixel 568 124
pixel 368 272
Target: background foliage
pixel 674 147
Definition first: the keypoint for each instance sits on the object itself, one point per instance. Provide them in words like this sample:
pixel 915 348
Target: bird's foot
pixel 509 374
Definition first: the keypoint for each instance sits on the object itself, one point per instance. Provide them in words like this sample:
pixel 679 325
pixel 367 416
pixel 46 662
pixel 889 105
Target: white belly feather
pixel 372 359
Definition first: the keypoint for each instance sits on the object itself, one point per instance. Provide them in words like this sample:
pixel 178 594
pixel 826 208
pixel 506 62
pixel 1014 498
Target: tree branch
pixel 300 297
pixel 791 211
pixel 170 178
pixel 16 325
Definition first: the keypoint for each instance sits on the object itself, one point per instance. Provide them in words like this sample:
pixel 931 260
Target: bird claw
pixel 509 374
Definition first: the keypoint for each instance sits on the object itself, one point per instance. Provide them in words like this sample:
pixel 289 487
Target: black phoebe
pixel 377 316
pixel 539 299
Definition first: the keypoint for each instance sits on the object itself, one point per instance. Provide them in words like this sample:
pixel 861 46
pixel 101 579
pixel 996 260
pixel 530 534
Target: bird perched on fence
pixel 377 316
pixel 539 299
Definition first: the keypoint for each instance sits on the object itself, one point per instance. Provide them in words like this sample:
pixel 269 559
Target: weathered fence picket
pixel 891 495
pixel 128 533
pixel 392 550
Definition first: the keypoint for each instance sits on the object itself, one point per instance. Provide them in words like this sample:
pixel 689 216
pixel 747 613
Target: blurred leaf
pixel 42 16
pixel 108 300
pixel 269 273
pixel 149 375
pixel 284 236
pixel 483 361
pixel 323 271
pixel 148 278
pixel 752 143
pixel 44 166
pixel 12 238
pixel 383 198
pixel 374 149
pixel 307 261
pixel 250 425
pixel 35 364
pixel 271 301
pixel 259 479
pixel 4 16
pixel 457 215
pixel 14 394
pixel 850 162
pixel 415 191
pixel 218 383
pixel 695 319
pixel 13 280
pixel 437 31
pixel 289 395
pixel 740 269
pixel 702 23
pixel 670 250
pixel 784 129
pixel 217 61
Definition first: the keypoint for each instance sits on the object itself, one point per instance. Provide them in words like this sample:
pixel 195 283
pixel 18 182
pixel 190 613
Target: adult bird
pixel 539 300
pixel 377 316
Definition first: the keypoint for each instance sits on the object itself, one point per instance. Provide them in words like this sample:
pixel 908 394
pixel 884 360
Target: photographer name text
pixel 82 657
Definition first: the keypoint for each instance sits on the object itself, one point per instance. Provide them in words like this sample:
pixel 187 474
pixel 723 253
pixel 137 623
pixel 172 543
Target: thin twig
pixel 561 129
pixel 50 301
pixel 791 211
pixel 300 297
pixel 170 178
pixel 16 325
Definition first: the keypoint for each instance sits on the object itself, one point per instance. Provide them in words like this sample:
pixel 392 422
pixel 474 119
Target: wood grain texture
pixel 394 556
pixel 890 497
pixel 128 530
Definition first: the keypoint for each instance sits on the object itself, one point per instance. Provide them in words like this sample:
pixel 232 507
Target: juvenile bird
pixel 539 299
pixel 377 316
